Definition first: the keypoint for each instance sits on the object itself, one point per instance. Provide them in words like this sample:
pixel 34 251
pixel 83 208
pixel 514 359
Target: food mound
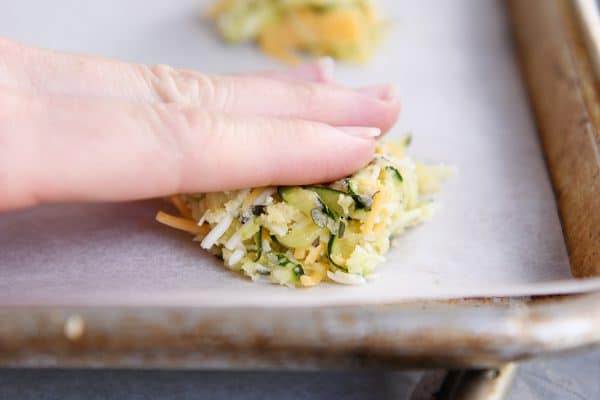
pixel 344 29
pixel 304 235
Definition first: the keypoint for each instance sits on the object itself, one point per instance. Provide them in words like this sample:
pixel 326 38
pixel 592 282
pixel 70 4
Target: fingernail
pixel 327 66
pixel 381 92
pixel 361 131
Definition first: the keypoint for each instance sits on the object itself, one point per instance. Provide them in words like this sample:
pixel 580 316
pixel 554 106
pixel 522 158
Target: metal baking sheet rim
pixel 480 332
pixel 483 332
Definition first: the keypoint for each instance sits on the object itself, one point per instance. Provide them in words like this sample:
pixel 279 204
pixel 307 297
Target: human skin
pixel 82 128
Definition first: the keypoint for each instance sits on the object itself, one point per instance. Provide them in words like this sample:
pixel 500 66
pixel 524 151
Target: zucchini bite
pixel 347 30
pixel 303 235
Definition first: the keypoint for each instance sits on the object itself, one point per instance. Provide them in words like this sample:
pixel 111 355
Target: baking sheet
pixel 498 232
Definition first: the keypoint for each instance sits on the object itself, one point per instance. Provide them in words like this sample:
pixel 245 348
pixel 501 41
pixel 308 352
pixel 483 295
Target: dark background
pixel 570 377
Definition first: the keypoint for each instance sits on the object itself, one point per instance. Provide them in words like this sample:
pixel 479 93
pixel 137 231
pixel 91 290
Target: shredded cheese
pixel 250 198
pixel 315 277
pixel 182 224
pixel 378 200
pixel 313 253
pixel 299 254
pixel 181 206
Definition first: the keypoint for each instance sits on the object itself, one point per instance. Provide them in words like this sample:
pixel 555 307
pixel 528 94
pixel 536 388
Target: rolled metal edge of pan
pixel 558 71
pixel 413 334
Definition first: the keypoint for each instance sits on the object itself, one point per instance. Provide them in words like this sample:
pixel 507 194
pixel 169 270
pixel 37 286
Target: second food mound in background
pixel 347 30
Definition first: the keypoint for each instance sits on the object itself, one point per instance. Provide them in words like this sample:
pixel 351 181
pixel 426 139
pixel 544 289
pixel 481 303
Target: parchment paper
pixel 498 232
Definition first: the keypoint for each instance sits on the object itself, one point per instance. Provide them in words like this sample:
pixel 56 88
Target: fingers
pixel 65 149
pixel 252 95
pixel 54 73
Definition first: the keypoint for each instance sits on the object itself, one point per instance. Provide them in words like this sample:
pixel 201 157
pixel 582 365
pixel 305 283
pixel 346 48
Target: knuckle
pixel 220 92
pixel 180 86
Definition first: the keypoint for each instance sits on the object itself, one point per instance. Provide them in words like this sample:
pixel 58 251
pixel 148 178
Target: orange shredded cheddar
pixel 251 197
pixel 181 206
pixel 299 254
pixel 378 201
pixel 315 277
pixel 180 223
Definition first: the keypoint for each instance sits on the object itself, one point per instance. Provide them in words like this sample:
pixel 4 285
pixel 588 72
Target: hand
pixel 78 128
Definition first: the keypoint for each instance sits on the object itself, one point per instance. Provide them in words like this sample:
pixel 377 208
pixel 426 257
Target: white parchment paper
pixel 498 232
